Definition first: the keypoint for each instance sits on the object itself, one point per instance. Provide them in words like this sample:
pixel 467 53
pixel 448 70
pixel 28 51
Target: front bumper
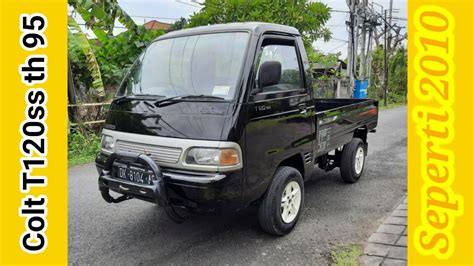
pixel 200 191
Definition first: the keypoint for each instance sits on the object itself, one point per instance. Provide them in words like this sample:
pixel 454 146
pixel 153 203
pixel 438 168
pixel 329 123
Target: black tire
pixel 348 161
pixel 270 209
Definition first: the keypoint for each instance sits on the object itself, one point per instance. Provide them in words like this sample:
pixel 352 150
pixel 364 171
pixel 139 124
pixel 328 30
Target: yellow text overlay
pixel 33 184
pixel 440 132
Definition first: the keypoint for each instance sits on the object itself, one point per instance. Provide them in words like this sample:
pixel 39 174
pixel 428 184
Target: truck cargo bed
pixel 338 119
pixel 328 104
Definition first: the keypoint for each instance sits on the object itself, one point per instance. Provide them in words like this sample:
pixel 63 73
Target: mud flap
pixel 158 188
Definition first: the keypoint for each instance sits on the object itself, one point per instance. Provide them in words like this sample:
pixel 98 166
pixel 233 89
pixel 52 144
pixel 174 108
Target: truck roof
pixel 254 27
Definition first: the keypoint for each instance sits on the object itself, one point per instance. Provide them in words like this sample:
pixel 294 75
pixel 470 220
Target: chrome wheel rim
pixel 290 202
pixel 359 160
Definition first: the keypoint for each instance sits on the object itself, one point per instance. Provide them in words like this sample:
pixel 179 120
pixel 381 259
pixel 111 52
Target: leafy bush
pixel 114 57
pixel 397 76
pixel 83 146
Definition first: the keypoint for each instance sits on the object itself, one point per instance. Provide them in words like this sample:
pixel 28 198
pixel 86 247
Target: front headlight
pixel 107 143
pixel 212 156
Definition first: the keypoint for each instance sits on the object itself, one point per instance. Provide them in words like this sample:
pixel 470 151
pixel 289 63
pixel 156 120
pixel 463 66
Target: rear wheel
pixel 281 207
pixel 353 160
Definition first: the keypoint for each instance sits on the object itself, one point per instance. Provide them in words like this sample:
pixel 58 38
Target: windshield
pixel 207 64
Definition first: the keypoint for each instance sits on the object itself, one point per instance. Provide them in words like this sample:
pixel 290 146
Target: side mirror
pixel 269 74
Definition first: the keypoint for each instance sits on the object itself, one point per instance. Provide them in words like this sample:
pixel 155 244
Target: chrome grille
pixel 159 154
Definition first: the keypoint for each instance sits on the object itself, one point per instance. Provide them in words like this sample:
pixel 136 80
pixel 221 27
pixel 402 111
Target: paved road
pixel 335 213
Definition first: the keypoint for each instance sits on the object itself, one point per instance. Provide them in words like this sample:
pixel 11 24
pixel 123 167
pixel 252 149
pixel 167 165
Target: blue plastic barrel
pixel 360 91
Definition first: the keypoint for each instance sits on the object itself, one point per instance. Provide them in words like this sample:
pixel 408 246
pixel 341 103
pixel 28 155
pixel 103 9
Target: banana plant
pixel 77 37
pixel 100 16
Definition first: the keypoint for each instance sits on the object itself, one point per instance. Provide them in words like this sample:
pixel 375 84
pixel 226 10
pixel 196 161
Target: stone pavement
pixel 388 245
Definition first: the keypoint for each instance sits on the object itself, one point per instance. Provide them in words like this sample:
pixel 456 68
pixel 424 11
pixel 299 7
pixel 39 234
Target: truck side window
pixel 285 53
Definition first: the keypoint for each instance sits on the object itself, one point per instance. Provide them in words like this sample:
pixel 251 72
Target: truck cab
pixel 224 116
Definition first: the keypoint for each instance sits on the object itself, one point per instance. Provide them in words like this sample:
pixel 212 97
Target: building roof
pixel 338 64
pixel 254 27
pixel 156 25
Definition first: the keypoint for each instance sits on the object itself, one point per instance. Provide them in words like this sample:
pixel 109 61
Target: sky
pixel 167 11
pixel 336 24
pixel 170 10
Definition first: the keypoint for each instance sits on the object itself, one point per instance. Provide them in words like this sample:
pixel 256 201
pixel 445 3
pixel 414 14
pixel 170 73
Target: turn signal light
pixel 229 157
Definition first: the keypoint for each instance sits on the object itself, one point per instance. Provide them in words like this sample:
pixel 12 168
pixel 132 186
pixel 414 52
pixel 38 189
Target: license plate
pixel 133 174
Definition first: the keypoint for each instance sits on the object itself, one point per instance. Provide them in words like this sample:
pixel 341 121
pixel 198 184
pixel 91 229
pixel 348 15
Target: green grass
pixel 346 255
pixel 83 147
pixel 390 105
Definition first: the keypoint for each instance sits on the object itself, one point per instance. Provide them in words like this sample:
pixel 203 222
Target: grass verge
pixel 83 147
pixel 390 105
pixel 346 255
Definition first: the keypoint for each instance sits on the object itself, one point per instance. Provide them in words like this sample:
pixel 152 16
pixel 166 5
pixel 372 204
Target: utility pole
pixel 350 47
pixel 385 62
pixel 355 49
pixel 390 23
pixel 361 28
pixel 363 55
pixel 373 36
pixel 368 67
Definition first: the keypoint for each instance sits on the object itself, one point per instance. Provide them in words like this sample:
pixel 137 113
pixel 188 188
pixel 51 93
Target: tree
pixel 397 78
pixel 100 63
pixel 375 89
pixel 77 41
pixel 397 75
pixel 179 24
pixel 117 55
pixel 318 57
pixel 100 16
pixel 308 17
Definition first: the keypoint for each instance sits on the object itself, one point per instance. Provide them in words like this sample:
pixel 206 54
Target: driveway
pixel 334 213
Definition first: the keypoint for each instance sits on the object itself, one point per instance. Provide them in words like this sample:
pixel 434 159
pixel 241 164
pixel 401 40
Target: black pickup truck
pixel 223 117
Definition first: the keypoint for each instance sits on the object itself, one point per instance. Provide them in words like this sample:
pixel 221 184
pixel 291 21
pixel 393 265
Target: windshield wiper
pixel 168 99
pixel 202 96
pixel 177 98
pixel 127 98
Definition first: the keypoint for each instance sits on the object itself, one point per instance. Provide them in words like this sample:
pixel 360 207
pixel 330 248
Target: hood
pixel 185 119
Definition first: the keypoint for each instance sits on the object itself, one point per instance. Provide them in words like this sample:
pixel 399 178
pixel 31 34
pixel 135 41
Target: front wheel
pixel 281 207
pixel 353 160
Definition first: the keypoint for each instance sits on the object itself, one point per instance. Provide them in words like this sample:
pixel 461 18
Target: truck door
pixel 280 117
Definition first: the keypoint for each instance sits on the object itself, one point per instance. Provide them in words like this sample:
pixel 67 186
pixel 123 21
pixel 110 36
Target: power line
pixel 140 16
pixel 340 40
pixel 188 4
pixel 135 16
pixel 336 48
pixel 335 25
pixel 339 11
pixel 115 27
pixel 399 18
pixel 392 27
